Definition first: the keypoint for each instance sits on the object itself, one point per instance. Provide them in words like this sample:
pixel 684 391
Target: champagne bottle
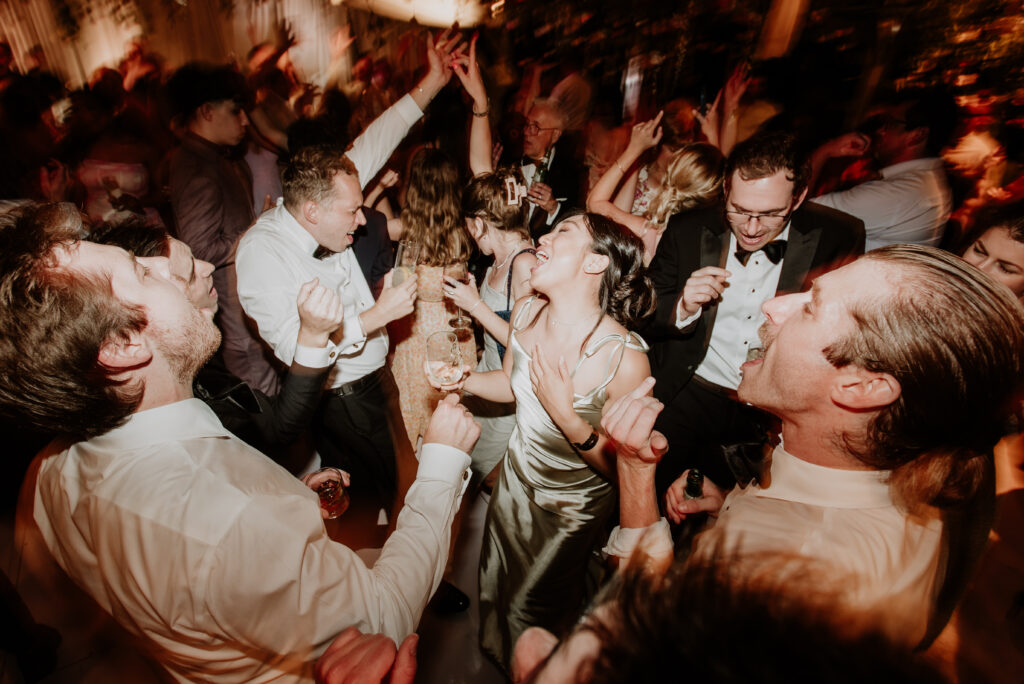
pixel 541 173
pixel 694 484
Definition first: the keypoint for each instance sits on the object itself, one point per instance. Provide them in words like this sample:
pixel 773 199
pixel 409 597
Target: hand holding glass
pixel 406 258
pixel 459 273
pixel 331 485
pixel 444 359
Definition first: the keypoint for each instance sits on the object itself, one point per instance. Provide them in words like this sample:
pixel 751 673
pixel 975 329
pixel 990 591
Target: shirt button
pixel 754 290
pixel 331 355
pixel 748 318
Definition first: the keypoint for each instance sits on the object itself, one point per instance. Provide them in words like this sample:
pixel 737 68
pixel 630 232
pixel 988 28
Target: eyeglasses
pixel 769 221
pixel 531 128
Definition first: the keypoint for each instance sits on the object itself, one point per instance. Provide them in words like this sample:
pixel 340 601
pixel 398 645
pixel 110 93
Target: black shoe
pixel 448 599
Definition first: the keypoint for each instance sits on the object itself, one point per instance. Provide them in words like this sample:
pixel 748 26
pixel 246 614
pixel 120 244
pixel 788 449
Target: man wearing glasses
pixel 551 173
pixel 713 270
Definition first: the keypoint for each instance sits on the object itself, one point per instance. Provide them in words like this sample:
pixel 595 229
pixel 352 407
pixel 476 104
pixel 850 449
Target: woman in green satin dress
pixel 570 352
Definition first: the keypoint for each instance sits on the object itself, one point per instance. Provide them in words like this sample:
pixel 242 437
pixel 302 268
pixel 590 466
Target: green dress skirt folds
pixel 549 514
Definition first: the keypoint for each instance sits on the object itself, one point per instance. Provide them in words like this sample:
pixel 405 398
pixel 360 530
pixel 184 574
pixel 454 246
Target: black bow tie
pixel 527 161
pixel 774 250
pixel 322 252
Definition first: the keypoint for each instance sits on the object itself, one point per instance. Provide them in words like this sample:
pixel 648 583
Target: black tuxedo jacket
pixel 566 180
pixel 372 248
pixel 820 239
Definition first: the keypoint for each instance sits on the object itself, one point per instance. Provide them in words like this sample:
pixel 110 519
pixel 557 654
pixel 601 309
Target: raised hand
pixel 646 135
pixel 704 285
pixel 468 72
pixel 710 121
pixel 629 423
pixel 320 313
pixel 735 87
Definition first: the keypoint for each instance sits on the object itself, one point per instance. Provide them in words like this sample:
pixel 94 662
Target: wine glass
pixel 406 258
pixel 460 273
pixel 444 358
pixel 330 487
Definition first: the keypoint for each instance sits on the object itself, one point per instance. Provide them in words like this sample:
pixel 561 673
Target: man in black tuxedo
pixel 560 188
pixel 713 270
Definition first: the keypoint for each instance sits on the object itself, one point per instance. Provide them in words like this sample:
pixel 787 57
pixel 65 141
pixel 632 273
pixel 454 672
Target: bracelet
pixel 470 309
pixel 483 113
pixel 589 444
pixel 619 167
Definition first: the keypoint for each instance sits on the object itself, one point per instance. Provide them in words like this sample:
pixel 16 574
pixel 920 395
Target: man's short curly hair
pixel 310 174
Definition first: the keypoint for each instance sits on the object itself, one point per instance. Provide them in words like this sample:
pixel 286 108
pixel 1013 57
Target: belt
pixel 359 385
pixel 717 389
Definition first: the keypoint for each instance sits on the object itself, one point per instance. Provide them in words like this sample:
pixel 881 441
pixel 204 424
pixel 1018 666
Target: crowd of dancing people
pixel 731 395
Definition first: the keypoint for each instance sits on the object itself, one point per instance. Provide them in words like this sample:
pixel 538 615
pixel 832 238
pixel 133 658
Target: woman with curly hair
pixel 693 178
pixel 432 216
pixel 569 352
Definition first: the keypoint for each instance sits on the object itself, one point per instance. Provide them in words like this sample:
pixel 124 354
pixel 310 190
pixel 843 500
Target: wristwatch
pixel 588 444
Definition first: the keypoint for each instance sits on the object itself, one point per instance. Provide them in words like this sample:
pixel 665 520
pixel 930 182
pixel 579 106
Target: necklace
pixel 510 255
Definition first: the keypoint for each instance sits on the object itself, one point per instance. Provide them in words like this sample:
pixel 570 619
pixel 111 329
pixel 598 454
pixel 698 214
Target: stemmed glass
pixel 444 358
pixel 459 273
pixel 406 258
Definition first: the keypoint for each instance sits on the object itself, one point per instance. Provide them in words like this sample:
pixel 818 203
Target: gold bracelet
pixel 619 167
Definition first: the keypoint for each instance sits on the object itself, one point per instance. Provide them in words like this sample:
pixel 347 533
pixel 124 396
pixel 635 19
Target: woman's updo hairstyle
pixel 627 293
pixel 487 197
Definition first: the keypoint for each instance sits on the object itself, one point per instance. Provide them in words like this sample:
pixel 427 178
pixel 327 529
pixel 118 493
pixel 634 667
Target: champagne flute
pixel 444 358
pixel 406 258
pixel 459 273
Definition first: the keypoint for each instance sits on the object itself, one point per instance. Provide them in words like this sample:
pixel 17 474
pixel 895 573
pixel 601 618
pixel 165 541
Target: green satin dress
pixel 549 514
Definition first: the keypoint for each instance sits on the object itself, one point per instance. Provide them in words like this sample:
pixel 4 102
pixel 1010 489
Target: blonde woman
pixel 693 179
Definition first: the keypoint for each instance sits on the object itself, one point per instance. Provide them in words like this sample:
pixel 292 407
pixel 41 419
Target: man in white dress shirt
pixel 213 555
pixel 892 378
pixel 911 202
pixel 308 235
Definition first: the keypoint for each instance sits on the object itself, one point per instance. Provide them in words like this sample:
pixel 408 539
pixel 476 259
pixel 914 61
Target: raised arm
pixel 468 72
pixel 371 150
pixel 644 136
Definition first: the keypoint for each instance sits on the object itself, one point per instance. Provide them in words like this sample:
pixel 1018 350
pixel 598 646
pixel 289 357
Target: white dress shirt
pixel 218 558
pixel 909 204
pixel 529 170
pixel 739 314
pixel 275 258
pixel 882 559
pixel 847 519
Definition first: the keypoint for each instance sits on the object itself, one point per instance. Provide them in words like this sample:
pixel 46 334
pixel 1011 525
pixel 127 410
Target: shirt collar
pixel 922 164
pixel 182 420
pixel 303 240
pixel 793 479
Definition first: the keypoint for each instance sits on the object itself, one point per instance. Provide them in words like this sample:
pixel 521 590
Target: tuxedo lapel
pixel 799 259
pixel 714 251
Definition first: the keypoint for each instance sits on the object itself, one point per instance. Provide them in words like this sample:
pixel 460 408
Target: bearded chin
pixel 186 351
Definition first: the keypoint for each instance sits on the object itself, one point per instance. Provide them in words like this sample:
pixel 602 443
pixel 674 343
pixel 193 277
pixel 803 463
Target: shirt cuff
pixel 408 109
pixel 552 215
pixel 681 322
pixel 445 463
pixel 654 540
pixel 314 357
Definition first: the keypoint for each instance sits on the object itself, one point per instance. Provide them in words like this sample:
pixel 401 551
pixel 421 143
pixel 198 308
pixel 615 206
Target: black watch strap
pixel 589 444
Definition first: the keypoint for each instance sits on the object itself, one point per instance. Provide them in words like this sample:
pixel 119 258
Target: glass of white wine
pixel 406 258
pixel 459 273
pixel 444 358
